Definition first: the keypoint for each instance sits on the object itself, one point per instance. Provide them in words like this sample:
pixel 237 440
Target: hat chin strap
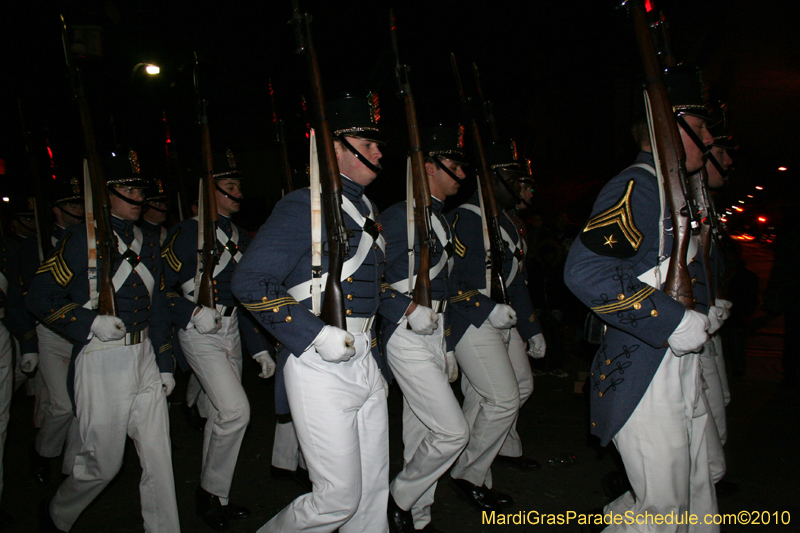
pixel 154 208
pixel 706 150
pixel 366 162
pixel 517 198
pixel 73 215
pixel 113 190
pixel 223 193
pixel 447 170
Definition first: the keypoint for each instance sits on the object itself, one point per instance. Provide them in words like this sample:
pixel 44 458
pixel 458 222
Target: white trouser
pixel 339 412
pixel 33 386
pixel 493 402
pixel 6 390
pixel 118 392
pixel 286 453
pixel 434 428
pixel 714 374
pixel 216 360
pixel 54 355
pixel 518 355
pixel 716 403
pixel 193 392
pixel 723 373
pixel 664 447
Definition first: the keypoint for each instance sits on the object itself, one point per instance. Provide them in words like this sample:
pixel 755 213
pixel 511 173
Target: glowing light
pixel 723 219
pixel 741 201
pixel 648 6
pixel 739 209
pixel 743 237
pixel 5 199
pixel 749 195
pixel 759 188
pixel 783 169
pixel 152 69
pixel 762 219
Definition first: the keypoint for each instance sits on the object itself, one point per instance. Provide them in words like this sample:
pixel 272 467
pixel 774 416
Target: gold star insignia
pixel 610 241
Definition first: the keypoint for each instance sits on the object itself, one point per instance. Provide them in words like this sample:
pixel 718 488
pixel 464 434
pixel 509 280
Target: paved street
pixel 762 454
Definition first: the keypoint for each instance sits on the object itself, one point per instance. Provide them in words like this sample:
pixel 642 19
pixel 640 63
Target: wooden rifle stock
pixel 205 290
pixel 332 310
pixel 497 246
pixel 41 214
pixel 106 240
pixel 280 139
pixel 422 191
pixel 671 158
pixel 708 225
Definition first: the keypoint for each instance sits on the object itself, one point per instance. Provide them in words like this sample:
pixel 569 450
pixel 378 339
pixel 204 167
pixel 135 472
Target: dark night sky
pixel 560 73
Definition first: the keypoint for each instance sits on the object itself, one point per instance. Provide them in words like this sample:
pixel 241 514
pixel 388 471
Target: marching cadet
pixel 645 383
pixel 434 429
pixel 211 342
pixel 496 375
pixel 155 210
pixel 332 378
pixel 122 366
pixel 55 349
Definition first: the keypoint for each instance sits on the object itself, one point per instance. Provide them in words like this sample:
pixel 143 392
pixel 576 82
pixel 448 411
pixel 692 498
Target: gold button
pixel 594 425
pixel 135 323
pixel 393 295
pixel 215 282
pixel 264 299
pixel 467 298
pixel 620 297
pixel 477 304
pixel 73 319
pixel 135 284
pixel 288 319
pixel 376 246
pixel 694 300
pixel 350 296
pixel 350 279
pixel 637 306
pixel 216 298
pixel 608 361
pixel 349 312
pixel 63 316
pixel 135 311
pixel 600 394
pixel 592 374
pixel 653 313
pixel 460 292
pixel 274 309
pixel 136 298
pixel 694 280
pixel 602 377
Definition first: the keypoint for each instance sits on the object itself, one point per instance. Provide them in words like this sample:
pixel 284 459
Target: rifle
pixel 488 112
pixel 671 159
pixel 106 240
pixel 205 287
pixel 39 211
pixel 332 311
pixel 497 247
pixel 422 192
pixel 280 138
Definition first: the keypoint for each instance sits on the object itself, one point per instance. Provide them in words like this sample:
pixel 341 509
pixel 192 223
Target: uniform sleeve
pixel 601 265
pixel 259 280
pixel 180 262
pixel 470 263
pixel 394 304
pixel 19 322
pixel 527 324
pixel 160 327
pixel 48 296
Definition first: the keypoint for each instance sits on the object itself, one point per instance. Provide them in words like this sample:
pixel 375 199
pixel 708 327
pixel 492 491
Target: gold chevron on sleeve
pixel 463 296
pixel 270 305
pixel 56 265
pixel 621 215
pixel 61 313
pixel 163 282
pixel 165 348
pixel 626 303
pixel 168 253
pixel 460 249
pixel 29 335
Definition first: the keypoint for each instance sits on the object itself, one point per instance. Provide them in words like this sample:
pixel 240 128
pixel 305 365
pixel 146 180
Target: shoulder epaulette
pixel 613 232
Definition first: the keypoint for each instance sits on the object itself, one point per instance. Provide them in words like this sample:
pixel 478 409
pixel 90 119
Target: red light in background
pixel 762 219
pixel 2 167
pixel 648 6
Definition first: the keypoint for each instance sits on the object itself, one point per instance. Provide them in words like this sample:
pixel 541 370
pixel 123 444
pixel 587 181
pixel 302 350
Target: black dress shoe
pixel 40 467
pixel 502 498
pixel 615 484
pixel 236 512
pixel 400 520
pixel 196 422
pixel 523 463
pixel 300 476
pixel 210 510
pixel 46 524
pixel 480 498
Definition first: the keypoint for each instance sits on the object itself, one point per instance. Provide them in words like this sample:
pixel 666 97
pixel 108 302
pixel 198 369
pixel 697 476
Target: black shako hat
pixel 355 116
pixel 156 191
pixel 444 141
pixel 122 170
pixel 686 91
pixel 65 189
pixel 719 129
pixel 503 155
pixel 225 166
pixel 21 206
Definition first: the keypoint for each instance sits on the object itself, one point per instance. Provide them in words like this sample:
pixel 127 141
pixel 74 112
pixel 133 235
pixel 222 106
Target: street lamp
pixel 150 68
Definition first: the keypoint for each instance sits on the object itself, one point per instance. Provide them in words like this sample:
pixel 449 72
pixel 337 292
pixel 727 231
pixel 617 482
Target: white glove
pixel 334 345
pixel 168 382
pixel 715 319
pixel 108 328
pixel 726 306
pixel 267 364
pixel 690 335
pixel 537 346
pixel 29 362
pixel 385 385
pixel 503 317
pixel 451 366
pixel 206 321
pixel 423 320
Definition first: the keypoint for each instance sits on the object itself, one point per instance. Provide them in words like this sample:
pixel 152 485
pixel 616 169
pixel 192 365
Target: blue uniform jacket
pixel 17 320
pixel 467 305
pixel 395 231
pixel 180 257
pixel 60 288
pixel 619 244
pixel 280 259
